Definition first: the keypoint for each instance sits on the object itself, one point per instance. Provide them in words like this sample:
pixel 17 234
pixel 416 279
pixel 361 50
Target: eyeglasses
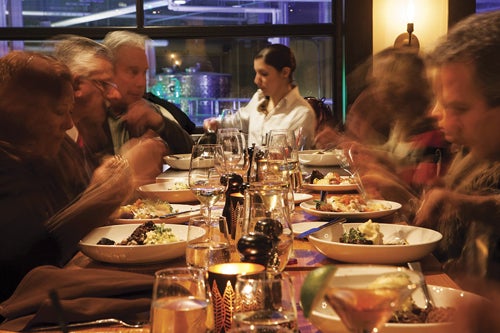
pixel 104 86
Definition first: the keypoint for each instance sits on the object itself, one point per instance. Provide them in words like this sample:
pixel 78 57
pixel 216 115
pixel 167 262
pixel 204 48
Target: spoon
pixel 415 266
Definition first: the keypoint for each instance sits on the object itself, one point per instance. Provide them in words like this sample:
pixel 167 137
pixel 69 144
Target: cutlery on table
pixel 166 216
pixel 415 266
pixel 327 224
pixel 99 322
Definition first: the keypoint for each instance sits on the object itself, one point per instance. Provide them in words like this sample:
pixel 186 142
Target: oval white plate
pixel 310 207
pixel 325 319
pixel 314 158
pixel 163 191
pixel 301 197
pixel 132 254
pixel 178 161
pixel 421 242
pixel 181 218
pixel 331 188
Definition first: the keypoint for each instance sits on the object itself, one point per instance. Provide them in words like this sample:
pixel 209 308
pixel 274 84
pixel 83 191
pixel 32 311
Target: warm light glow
pixel 410 11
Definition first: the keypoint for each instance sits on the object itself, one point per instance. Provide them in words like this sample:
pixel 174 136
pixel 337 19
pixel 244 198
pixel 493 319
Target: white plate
pixel 164 191
pixel 132 254
pixel 326 320
pixel 310 207
pixel 315 158
pixel 178 161
pixel 195 210
pixel 301 197
pixel 421 241
pixel 300 227
pixel 331 188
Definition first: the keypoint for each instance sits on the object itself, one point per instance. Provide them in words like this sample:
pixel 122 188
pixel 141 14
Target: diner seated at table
pixel 277 104
pixel 133 116
pixel 465 205
pixel 47 199
pixel 389 131
pixel 91 65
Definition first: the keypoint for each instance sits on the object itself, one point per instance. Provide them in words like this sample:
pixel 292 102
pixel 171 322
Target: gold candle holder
pixel 221 281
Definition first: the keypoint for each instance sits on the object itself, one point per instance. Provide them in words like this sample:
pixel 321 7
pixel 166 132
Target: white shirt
pixel 292 112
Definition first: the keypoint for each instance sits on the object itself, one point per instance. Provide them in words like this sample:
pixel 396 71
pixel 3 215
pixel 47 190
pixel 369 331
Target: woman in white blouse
pixel 277 104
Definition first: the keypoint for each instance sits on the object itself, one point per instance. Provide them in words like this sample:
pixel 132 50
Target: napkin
pixel 85 294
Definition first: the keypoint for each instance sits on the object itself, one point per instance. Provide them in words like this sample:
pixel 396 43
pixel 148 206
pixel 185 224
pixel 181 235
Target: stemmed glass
pixel 365 300
pixel 234 159
pixel 204 180
pixel 286 138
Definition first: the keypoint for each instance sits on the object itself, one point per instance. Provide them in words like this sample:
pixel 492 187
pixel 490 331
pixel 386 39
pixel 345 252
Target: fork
pixel 347 163
pixel 99 322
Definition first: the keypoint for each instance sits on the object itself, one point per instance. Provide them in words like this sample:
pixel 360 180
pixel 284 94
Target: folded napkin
pixel 85 294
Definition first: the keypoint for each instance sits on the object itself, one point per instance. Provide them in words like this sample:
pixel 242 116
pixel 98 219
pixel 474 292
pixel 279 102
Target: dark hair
pixel 278 56
pixel 475 40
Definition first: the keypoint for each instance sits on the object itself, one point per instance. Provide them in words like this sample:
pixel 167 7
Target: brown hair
pixel 26 77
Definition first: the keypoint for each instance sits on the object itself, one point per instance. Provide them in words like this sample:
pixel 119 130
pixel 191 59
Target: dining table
pixel 305 259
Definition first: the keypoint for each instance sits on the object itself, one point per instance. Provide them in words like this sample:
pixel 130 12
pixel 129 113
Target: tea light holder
pixel 221 281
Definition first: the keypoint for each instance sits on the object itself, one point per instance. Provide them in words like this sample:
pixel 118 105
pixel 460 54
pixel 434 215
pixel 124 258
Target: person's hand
pixel 327 137
pixel 431 205
pixel 140 117
pixel 145 156
pixel 112 180
pixel 211 124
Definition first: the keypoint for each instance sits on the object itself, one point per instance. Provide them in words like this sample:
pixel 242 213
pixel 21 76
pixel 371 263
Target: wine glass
pixel 288 141
pixel 235 153
pixel 365 300
pixel 204 180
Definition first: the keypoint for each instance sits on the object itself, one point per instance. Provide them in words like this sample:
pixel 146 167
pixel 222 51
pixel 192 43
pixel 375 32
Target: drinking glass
pixel 266 300
pixel 235 153
pixel 365 304
pixel 181 302
pixel 207 242
pixel 204 180
pixel 288 141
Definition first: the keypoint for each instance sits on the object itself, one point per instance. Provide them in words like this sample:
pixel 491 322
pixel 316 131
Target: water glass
pixel 267 300
pixel 181 302
pixel 207 242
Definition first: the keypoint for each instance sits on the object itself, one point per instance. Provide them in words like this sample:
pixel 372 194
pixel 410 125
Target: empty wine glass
pixel 204 180
pixel 365 300
pixel 286 138
pixel 235 153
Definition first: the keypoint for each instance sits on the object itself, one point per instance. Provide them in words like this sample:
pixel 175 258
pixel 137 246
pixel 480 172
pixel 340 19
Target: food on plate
pixel 145 209
pixel 147 233
pixel 349 203
pixel 409 312
pixel 331 178
pixel 178 186
pixel 366 233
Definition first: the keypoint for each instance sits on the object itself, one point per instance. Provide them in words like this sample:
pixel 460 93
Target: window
pixel 213 41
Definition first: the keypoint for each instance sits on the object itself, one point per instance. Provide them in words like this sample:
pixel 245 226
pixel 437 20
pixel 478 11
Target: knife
pixel 166 216
pixel 327 224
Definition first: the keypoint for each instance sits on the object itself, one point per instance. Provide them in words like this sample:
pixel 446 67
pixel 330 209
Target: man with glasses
pixel 91 65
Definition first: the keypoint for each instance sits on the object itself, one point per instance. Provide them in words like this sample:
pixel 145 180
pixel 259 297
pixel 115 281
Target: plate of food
pixel 440 319
pixel 143 210
pixel 375 243
pixel 173 190
pixel 321 157
pixel 331 182
pixel 136 243
pixel 349 206
pixel 178 161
